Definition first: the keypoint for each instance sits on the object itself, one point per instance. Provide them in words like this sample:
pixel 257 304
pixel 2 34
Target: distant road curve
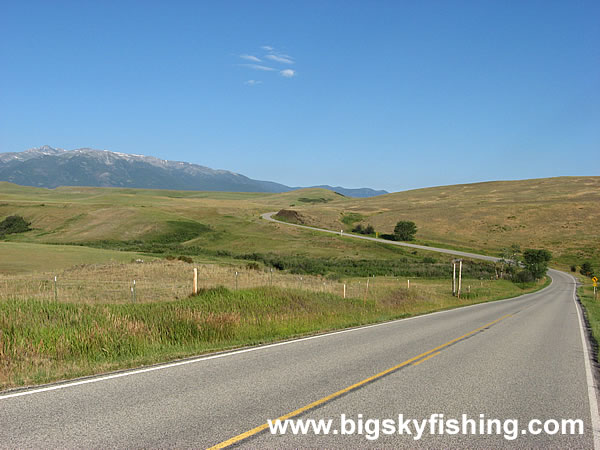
pixel 269 216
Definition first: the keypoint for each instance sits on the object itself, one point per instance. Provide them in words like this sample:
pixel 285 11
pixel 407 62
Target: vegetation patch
pixel 12 225
pixel 350 218
pixel 179 231
pixel 42 341
pixel 314 200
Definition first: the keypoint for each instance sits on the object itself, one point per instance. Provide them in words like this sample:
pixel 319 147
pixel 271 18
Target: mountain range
pixel 52 167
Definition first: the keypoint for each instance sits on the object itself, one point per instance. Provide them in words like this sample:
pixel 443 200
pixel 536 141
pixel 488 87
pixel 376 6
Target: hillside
pixel 50 168
pixel 561 214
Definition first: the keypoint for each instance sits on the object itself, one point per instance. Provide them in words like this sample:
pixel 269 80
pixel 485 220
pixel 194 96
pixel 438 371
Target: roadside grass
pixel 43 341
pixel 170 279
pixel 592 309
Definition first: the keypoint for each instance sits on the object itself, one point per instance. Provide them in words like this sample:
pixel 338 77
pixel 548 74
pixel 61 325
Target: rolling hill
pixel 559 214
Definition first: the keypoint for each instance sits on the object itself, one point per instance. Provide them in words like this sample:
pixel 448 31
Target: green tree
pixel 586 269
pixel 405 230
pixel 536 261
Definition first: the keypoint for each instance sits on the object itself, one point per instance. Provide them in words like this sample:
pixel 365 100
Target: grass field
pixel 559 214
pixel 20 257
pixel 42 340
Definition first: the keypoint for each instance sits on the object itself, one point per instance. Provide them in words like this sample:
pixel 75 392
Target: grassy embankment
pixel 592 307
pixel 42 341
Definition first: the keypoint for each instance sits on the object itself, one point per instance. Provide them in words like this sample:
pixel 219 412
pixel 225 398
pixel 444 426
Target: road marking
pixel 428 354
pixel 425 359
pixel 594 415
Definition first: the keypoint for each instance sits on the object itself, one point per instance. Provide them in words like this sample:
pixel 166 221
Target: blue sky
pixel 390 95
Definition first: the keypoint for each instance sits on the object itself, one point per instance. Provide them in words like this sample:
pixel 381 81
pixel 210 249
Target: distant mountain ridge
pixel 52 167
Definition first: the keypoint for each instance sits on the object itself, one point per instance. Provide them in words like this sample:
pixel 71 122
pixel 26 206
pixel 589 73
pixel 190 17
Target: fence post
pixel 344 290
pixel 55 290
pixel 195 281
pixel 236 280
pixel 408 284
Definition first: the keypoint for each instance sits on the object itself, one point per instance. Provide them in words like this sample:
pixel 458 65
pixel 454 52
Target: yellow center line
pixel 425 359
pixel 429 354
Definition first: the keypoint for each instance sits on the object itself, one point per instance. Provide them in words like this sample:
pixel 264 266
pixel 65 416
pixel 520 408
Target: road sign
pixel 595 279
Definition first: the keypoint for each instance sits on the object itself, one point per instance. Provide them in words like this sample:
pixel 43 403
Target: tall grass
pixel 42 340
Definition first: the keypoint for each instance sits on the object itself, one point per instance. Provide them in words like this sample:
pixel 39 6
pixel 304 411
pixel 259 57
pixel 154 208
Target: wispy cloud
pixel 259 67
pixel 270 60
pixel 288 73
pixel 250 58
pixel 280 58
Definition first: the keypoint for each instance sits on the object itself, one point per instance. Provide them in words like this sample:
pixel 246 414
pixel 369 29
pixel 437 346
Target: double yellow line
pixel 414 361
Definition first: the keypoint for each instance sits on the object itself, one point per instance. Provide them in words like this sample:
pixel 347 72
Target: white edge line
pixel 595 416
pixel 238 352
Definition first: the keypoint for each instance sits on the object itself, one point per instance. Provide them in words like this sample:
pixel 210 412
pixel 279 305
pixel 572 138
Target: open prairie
pixel 559 214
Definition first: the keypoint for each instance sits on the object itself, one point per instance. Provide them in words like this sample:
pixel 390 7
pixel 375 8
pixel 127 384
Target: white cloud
pixel 252 82
pixel 280 58
pixel 259 67
pixel 267 48
pixel 288 73
pixel 250 58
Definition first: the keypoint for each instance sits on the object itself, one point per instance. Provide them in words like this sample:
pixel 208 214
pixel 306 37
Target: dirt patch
pixel 289 215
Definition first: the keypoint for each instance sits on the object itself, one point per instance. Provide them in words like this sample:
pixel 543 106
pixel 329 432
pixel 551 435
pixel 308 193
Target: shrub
pixel 524 276
pixel 14 224
pixel 405 230
pixel 186 259
pixel 573 268
pixel 586 269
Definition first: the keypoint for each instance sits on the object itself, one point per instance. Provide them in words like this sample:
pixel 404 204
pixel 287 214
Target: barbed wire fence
pixel 171 281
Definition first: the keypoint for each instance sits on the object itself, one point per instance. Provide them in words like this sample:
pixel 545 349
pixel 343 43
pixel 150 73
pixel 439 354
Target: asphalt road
pixel 517 359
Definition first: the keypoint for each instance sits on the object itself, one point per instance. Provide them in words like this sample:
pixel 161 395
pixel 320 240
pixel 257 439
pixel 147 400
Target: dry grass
pixel 164 280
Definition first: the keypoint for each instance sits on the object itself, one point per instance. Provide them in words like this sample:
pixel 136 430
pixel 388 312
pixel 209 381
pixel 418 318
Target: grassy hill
pixel 560 214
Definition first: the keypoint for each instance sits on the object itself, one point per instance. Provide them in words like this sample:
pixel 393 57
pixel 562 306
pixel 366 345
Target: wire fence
pixel 165 281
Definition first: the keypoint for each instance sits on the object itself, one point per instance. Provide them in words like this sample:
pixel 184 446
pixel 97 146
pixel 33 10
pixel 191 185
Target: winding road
pixel 514 361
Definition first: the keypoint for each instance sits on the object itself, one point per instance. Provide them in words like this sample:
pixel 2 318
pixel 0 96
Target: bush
pixel 186 259
pixel 366 230
pixel 524 276
pixel 573 268
pixel 405 230
pixel 586 269
pixel 13 224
